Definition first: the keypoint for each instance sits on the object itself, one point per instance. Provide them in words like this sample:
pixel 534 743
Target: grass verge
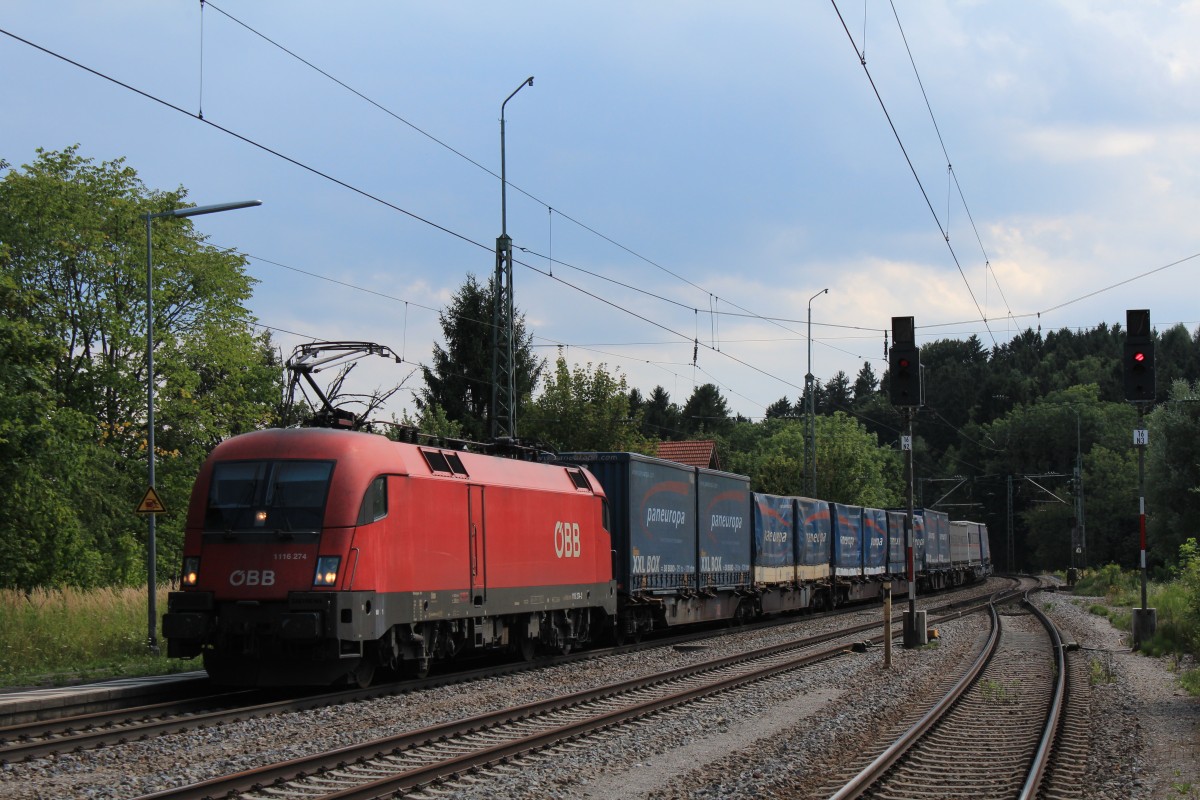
pixel 62 636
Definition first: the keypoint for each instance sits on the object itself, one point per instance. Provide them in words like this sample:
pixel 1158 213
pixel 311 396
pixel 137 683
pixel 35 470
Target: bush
pixel 1109 582
pixel 1175 632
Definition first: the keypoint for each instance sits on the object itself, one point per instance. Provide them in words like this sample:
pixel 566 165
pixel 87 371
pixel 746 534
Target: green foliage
pixel 1176 627
pixel 1173 470
pixel 432 420
pixel 585 408
pixel 1110 582
pixel 1100 672
pixel 460 380
pixel 706 413
pixel 57 636
pixel 851 466
pixel 662 419
pixel 996 692
pixel 73 302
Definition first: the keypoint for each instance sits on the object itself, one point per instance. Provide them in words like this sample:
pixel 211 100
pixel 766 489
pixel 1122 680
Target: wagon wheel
pixel 528 647
pixel 363 674
pixel 418 668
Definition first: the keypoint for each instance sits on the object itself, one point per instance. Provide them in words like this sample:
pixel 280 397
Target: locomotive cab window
pixel 374 504
pixel 260 496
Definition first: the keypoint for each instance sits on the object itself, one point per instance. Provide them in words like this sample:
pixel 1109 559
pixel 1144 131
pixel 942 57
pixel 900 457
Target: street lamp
pixel 151 566
pixel 810 439
pixel 504 398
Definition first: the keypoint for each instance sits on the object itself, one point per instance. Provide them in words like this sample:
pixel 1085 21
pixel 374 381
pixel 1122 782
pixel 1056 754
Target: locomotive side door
pixel 478 535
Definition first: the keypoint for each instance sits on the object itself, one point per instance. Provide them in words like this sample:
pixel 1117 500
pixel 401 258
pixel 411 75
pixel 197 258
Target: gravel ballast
pixel 776 738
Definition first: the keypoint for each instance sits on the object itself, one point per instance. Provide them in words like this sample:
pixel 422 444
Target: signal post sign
pixel 151 503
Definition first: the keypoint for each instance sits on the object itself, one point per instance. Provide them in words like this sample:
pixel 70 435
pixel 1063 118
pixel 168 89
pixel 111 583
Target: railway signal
pixel 906 391
pixel 905 387
pixel 1138 364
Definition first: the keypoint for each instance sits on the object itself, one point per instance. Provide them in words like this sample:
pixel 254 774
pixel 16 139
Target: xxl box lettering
pixel 724 529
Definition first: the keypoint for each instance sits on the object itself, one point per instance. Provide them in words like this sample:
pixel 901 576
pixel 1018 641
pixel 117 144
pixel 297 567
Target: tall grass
pixel 63 635
pixel 1177 629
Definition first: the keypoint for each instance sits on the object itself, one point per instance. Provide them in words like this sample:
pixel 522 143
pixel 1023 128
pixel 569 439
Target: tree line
pixel 1000 438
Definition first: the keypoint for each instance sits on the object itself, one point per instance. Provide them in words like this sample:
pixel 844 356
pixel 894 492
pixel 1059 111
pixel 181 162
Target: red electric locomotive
pixel 314 556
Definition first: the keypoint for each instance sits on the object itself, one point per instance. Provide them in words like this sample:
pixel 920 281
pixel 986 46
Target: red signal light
pixel 1139 356
pixel 903 363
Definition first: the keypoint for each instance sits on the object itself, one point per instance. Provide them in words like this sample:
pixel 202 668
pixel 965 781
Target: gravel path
pixel 774 739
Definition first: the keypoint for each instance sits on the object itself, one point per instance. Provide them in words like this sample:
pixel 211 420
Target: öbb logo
pixel 252 577
pixel 566 539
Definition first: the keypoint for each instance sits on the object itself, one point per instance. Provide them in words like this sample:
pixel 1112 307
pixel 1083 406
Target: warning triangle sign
pixel 151 504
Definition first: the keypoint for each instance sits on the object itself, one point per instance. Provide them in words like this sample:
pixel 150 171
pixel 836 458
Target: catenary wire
pixel 438 141
pixel 375 198
pixel 912 168
pixel 949 167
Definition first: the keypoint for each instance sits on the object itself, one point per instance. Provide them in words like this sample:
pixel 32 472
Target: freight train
pixel 317 556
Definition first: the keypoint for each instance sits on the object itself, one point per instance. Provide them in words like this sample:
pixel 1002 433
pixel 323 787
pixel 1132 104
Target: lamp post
pixel 810 440
pixel 504 398
pixel 151 565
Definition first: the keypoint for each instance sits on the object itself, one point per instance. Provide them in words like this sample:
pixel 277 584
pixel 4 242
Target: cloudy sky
pixel 685 178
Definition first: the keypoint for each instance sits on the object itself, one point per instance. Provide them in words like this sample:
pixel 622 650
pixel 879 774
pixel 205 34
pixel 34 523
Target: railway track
pixel 468 749
pixel 413 760
pixel 196 709
pixel 993 733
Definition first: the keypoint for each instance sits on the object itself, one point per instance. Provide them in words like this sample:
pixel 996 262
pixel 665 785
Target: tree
pixel 47 457
pixel 460 380
pixel 706 412
pixel 637 403
pixel 74 258
pixel 585 408
pixel 431 420
pixel 1038 443
pixel 837 393
pixel 780 408
pixel 1173 471
pixel 662 419
pixel 865 384
pixel 851 466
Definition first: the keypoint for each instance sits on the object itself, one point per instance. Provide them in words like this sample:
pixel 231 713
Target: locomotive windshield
pixel 257 496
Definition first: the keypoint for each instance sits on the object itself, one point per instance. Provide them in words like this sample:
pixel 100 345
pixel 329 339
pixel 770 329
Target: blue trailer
pixel 847 540
pixel 897 565
pixel 791 553
pixel 874 541
pixel 814 538
pixel 775 543
pixel 681 540
pixel 724 530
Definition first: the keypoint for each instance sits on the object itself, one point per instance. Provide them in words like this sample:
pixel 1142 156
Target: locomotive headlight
pixel 260 518
pixel 191 570
pixel 327 571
